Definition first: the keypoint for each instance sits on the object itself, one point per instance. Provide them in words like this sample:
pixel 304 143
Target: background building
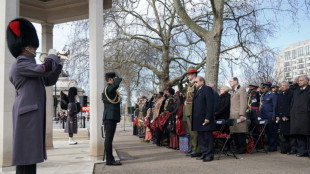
pixel 293 61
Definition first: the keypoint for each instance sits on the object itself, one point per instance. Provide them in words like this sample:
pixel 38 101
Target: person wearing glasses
pixel 203 118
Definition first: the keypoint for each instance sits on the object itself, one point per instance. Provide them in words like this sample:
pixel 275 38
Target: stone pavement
pixel 147 158
pixel 141 158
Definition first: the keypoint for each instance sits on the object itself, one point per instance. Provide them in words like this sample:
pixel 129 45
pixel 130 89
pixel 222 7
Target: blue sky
pixel 291 34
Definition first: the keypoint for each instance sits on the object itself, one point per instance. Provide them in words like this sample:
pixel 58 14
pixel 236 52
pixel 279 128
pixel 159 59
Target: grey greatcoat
pixel 71 124
pixel 29 110
pixel 238 106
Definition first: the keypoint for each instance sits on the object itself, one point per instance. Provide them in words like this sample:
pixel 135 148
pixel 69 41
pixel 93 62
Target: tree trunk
pixel 128 99
pixel 212 63
pixel 164 77
pixel 213 44
pixel 212 38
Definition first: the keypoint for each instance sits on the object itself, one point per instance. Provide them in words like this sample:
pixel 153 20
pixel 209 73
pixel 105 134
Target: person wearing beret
pixel 29 109
pixel 268 111
pixel 111 114
pixel 193 147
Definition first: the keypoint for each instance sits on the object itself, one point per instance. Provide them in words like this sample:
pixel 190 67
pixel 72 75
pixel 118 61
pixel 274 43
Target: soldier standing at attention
pixel 111 115
pixel 193 138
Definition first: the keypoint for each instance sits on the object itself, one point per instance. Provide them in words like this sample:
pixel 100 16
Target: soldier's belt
pixel 189 102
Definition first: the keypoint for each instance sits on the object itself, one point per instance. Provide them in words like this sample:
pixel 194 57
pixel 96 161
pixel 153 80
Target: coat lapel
pixel 198 92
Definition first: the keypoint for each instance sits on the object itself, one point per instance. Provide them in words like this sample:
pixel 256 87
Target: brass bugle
pixel 66 54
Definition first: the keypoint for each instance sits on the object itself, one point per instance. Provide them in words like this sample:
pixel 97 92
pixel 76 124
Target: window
pixel 289 79
pixel 294 62
pixel 294 54
pixel 300 51
pixel 300 60
pixel 308 58
pixel 308 64
pixel 300 72
pixel 308 50
pixel 286 64
pixel 300 66
pixel 287 55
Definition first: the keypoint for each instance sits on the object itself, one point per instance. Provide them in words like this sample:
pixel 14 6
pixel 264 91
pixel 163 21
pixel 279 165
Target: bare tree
pixel 228 25
pixel 153 23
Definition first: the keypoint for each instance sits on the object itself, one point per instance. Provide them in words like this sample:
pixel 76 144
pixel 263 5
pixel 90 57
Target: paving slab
pixel 141 158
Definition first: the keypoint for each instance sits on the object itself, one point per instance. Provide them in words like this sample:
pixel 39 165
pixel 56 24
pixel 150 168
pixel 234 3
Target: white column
pixel 47 43
pixel 96 75
pixel 9 10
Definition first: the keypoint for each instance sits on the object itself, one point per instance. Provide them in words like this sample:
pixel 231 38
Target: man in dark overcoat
pixel 111 114
pixel 29 109
pixel 203 118
pixel 300 116
pixel 283 109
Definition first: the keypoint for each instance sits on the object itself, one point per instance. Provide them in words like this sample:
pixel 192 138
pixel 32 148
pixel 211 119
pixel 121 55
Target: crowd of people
pixel 172 118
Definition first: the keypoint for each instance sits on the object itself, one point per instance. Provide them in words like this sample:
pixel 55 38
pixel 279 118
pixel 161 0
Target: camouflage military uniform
pixel 188 113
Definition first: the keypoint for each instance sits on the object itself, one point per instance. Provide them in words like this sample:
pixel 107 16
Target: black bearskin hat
pixel 72 93
pixel 21 33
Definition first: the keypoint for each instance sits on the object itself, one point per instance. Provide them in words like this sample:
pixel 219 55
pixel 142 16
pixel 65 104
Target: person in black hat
pixel 111 115
pixel 29 109
pixel 268 111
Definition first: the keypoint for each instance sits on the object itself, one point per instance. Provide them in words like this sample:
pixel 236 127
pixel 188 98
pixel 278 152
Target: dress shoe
pixel 188 153
pixel 207 159
pixel 113 163
pixel 201 157
pixel 300 155
pixel 195 154
pixel 292 152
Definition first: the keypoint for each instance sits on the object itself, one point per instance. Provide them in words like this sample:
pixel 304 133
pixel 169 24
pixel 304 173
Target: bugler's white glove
pixel 52 51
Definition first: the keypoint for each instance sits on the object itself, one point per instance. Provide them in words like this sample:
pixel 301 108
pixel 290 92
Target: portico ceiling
pixel 56 11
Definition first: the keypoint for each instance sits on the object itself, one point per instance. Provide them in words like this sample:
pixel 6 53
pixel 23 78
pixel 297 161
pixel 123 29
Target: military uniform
pixel 267 111
pixel 188 113
pixel 111 116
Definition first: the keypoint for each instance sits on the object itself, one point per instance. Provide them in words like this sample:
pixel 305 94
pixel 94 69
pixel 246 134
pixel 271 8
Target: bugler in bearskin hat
pixel 20 34
pixel 29 145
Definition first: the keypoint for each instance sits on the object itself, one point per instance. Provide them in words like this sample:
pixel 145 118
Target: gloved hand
pixel 52 51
